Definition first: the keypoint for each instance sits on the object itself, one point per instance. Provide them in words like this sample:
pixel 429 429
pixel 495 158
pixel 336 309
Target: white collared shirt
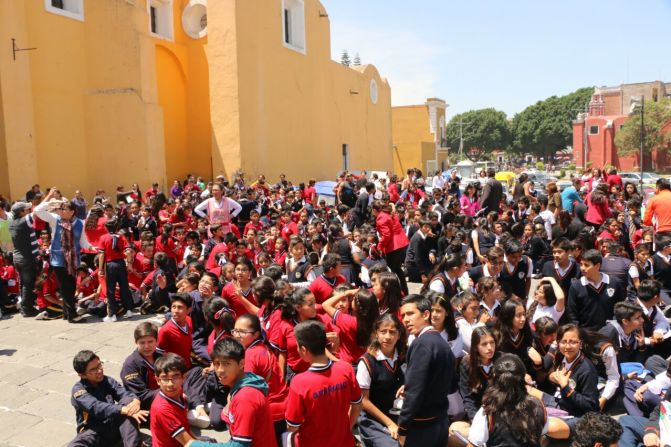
pixel 605 279
pixel 363 375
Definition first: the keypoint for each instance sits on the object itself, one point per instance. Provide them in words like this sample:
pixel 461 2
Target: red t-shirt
pixel 258 226
pixel 11 276
pixel 93 235
pixel 248 418
pixel 284 340
pixel 319 403
pixel 322 287
pixel 49 287
pixel 230 295
pixel 168 420
pixel 176 339
pixel 310 195
pixel 349 350
pixel 260 361
pixel 269 323
pixel 213 338
pixel 105 245
pixel 288 230
pixel 212 259
pixel 169 248
pixel 88 284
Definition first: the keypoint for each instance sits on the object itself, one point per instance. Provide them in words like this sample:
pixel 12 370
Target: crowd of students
pixel 284 319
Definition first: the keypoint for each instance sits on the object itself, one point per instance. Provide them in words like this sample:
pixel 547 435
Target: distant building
pixel 608 111
pixel 418 135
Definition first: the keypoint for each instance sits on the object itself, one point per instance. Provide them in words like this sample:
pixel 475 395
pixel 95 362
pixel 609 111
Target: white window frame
pixel 297 26
pixel 166 5
pixel 374 92
pixel 190 27
pixel 70 8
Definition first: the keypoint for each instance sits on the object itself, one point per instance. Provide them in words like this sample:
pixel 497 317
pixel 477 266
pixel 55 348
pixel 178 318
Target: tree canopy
pixel 656 115
pixel 484 130
pixel 546 127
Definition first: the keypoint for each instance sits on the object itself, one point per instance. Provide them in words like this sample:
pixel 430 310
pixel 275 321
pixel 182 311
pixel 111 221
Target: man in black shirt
pixel 492 192
pixel 25 253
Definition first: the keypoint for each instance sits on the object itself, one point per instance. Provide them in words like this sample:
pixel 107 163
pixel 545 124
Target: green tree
pixel 656 115
pixel 357 60
pixel 344 58
pixel 484 130
pixel 546 127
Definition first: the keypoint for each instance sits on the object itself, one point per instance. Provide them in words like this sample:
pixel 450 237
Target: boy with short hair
pixel 169 423
pixel 592 298
pixel 324 401
pixel 247 414
pixel 562 267
pixel 176 335
pixel 106 412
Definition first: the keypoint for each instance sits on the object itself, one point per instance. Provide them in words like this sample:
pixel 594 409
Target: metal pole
pixel 584 139
pixel 642 140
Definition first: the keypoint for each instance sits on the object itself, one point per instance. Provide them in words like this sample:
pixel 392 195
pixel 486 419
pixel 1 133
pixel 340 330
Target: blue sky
pixel 503 54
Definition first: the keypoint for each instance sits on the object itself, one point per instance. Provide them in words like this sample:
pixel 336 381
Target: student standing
pixel 393 240
pixel 324 402
pixel 219 209
pixel 67 241
pixel 423 419
pixel 26 250
pixel 112 262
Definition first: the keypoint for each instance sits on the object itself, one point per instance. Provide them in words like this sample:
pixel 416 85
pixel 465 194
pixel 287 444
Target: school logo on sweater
pixel 521 275
pixel 610 291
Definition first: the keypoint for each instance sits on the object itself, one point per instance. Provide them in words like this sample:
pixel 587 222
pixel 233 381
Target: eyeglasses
pixel 569 343
pixel 95 368
pixel 241 332
pixel 167 380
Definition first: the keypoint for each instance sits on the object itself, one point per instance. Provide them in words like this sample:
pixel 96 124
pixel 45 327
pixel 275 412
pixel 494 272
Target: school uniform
pixel 201 329
pixel 300 273
pixel 139 377
pixel 322 287
pixel 168 420
pixel 627 346
pixel 590 305
pixel 473 398
pixel 247 415
pixel 177 339
pixel 514 279
pixel 581 395
pixel 417 261
pixel 349 350
pixel 428 378
pixel 478 272
pixel 445 285
pixel 636 271
pixel 230 294
pixel 491 431
pixel 318 405
pixel 562 275
pixel 518 345
pixel 260 361
pixel 98 412
pixel 382 377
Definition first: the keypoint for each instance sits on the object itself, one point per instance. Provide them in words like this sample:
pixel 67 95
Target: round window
pixel 373 91
pixel 194 19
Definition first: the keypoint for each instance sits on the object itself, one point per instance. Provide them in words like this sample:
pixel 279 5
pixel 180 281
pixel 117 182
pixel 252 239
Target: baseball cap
pixel 20 206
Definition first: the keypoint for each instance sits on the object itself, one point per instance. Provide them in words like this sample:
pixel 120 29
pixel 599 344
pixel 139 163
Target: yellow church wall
pixel 295 111
pixel 412 140
pixel 89 119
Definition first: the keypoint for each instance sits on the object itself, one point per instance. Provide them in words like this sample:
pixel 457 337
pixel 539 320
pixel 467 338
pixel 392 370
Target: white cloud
pixel 407 60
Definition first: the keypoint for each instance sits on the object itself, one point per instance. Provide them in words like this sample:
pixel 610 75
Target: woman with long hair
pixel 380 376
pixel 598 209
pixel 513 331
pixel 469 201
pixel 554 198
pixel 445 276
pixel 355 328
pixel 630 191
pixel 387 290
pixel 474 375
pixel 299 307
pixel 509 415
pixel 548 301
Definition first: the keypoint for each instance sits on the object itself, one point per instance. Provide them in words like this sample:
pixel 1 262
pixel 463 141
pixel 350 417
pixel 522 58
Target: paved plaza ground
pixel 36 375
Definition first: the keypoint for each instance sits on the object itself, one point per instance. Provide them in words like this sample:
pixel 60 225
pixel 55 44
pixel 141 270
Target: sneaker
pixel 197 421
pixel 130 313
pixel 41 316
pixel 29 312
pixel 81 311
pixel 111 319
pixel 77 319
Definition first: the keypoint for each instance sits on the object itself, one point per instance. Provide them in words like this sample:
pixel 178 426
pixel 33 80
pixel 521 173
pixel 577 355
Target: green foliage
pixel 546 127
pixel 540 165
pixel 484 131
pixel 344 58
pixel 571 167
pixel 357 60
pixel 656 115
pixel 562 173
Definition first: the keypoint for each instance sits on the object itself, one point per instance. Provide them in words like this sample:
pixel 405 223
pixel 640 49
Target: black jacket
pixel 96 405
pixel 428 377
pixel 492 192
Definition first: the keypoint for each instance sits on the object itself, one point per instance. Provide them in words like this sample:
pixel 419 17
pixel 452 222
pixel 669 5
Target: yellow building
pixel 123 91
pixel 418 134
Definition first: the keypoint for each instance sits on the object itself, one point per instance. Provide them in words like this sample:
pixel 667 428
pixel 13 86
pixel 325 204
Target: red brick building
pixel 607 113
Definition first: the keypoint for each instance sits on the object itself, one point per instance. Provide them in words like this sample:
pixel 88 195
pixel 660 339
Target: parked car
pixel 649 178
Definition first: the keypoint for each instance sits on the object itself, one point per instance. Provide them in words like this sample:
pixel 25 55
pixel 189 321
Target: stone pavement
pixel 36 375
